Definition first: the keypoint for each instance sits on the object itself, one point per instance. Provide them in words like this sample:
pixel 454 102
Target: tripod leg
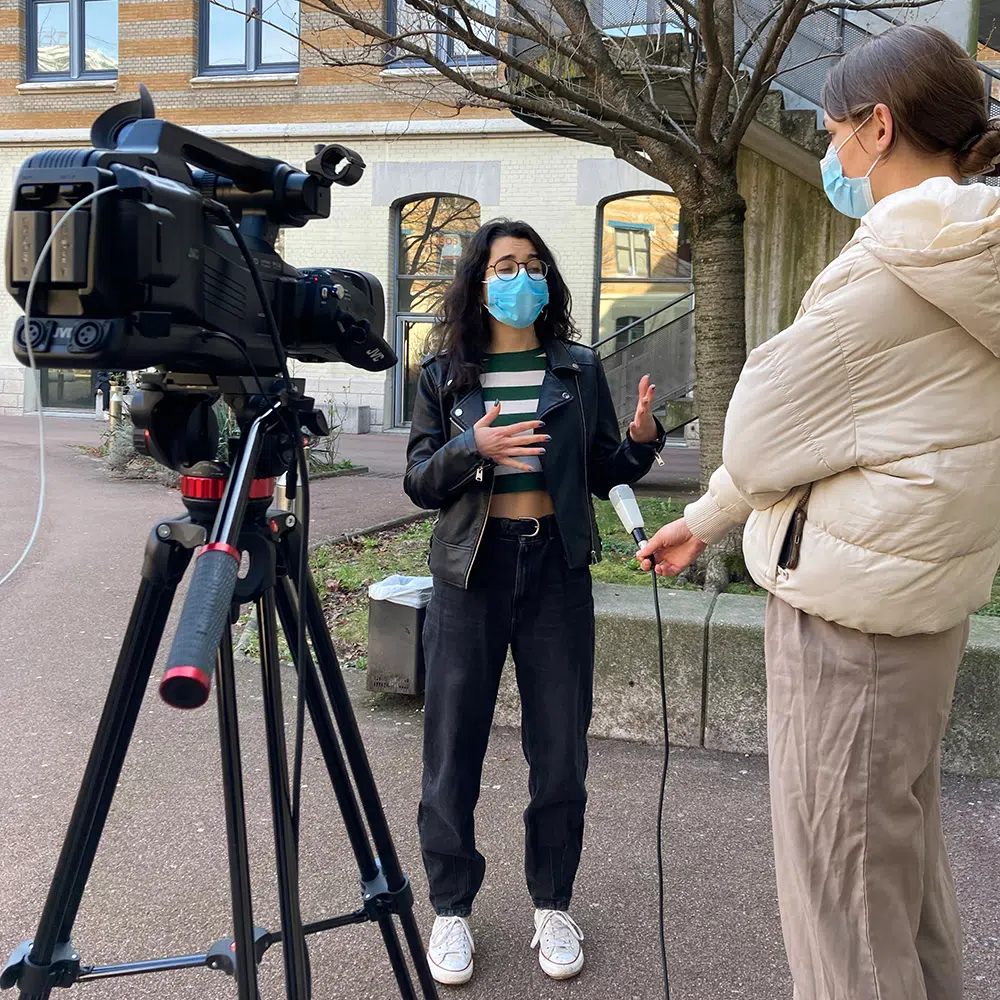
pixel 340 779
pixel 163 567
pixel 293 939
pixel 350 735
pixel 236 824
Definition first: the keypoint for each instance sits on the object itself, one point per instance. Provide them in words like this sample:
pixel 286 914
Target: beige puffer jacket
pixel 885 396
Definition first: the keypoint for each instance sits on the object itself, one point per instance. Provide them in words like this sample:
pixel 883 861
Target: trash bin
pixel 396 608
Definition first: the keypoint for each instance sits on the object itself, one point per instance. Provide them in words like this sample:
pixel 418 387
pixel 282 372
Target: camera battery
pixel 69 249
pixel 29 231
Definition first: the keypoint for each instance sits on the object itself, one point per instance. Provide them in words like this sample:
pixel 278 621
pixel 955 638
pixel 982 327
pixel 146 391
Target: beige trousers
pixel 855 721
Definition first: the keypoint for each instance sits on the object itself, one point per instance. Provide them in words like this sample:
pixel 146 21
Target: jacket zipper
pixel 586 485
pixel 478 473
pixel 482 531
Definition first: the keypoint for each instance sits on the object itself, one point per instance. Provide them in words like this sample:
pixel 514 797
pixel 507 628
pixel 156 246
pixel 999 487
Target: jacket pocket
pixel 792 532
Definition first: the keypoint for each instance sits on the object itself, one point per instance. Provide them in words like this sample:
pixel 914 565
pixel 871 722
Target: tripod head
pixel 175 422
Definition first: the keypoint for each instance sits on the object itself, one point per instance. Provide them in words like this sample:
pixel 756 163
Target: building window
pixel 644 267
pixel 631 248
pixel 431 233
pixel 72 40
pixel 238 36
pixel 423 29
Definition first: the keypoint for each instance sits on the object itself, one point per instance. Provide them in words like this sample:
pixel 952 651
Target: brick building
pixel 432 175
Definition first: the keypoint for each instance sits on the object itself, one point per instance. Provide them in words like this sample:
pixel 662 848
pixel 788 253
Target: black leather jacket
pixel 444 470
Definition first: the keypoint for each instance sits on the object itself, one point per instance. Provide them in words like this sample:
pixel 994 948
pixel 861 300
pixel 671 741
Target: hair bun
pixel 980 156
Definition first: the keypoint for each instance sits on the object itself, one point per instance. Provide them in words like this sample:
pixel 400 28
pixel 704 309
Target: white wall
pixel 553 184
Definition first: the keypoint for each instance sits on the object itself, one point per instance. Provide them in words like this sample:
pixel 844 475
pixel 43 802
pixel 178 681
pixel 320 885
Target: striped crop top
pixel 515 379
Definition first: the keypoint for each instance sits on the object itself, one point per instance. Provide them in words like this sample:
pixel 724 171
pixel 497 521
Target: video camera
pixel 151 274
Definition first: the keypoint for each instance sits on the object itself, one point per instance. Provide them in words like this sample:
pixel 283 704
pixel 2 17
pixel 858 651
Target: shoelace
pixel 564 931
pixel 452 935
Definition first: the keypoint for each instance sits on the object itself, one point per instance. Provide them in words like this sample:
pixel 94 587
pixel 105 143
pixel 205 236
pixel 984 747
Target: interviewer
pixel 874 423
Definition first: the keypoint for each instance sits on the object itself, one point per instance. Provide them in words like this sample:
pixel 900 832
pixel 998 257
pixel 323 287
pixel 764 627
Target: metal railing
pixel 665 353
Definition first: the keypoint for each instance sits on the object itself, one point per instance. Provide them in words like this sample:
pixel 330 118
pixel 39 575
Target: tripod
pixel 229 518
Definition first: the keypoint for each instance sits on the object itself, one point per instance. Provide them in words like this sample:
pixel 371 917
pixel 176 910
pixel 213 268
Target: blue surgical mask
pixel 518 302
pixel 851 196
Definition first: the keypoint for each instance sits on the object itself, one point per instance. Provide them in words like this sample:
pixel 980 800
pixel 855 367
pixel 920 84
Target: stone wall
pixel 715 681
pixel 792 233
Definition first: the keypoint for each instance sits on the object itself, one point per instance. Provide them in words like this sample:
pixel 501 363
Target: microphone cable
pixel 663 786
pixel 627 508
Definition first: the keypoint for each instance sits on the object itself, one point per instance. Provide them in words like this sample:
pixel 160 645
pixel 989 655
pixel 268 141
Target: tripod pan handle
pixel 187 680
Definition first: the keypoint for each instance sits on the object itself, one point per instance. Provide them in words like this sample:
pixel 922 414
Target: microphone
pixel 627 508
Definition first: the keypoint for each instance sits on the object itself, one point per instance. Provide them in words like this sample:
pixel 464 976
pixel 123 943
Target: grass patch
pixel 319 468
pixel 992 610
pixel 344 571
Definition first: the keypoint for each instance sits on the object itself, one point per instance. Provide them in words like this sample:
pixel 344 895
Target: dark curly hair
pixel 462 335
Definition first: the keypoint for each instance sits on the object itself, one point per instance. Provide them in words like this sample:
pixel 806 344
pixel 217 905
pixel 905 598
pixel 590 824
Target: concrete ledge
pixel 716 682
pixel 735 684
pixel 736 689
pixel 972 743
pixel 627 672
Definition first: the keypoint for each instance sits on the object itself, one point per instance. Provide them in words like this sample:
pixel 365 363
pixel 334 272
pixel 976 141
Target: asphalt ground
pixel 160 882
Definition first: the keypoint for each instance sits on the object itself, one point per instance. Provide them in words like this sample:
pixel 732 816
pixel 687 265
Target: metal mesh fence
pixel 666 354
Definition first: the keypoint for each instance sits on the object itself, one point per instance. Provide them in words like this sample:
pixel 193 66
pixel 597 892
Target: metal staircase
pixel 660 345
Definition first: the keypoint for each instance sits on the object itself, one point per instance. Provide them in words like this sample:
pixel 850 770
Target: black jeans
pixel 521 595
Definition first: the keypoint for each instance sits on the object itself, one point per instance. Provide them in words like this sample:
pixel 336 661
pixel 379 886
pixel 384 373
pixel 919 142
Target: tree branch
pixel 713 78
pixel 547 110
pixel 773 49
pixel 872 7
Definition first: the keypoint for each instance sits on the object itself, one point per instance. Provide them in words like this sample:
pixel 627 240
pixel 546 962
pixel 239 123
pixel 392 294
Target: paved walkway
pixel 160 885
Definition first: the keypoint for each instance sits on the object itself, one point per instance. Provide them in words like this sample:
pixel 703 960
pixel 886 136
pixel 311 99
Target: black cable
pixel 663 787
pixel 217 208
pixel 223 212
pixel 241 347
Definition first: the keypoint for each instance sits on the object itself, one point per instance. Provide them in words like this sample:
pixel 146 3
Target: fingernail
pixel 541 423
pixel 548 437
pixel 541 451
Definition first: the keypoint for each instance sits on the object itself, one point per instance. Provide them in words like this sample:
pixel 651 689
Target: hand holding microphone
pixel 673 548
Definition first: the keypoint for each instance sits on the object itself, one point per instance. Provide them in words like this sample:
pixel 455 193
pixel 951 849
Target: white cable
pixel 35 380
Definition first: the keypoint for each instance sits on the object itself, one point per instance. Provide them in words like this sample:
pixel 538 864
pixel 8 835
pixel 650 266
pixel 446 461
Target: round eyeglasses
pixel 507 270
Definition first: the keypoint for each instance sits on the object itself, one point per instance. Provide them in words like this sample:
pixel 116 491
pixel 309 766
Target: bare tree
pixel 670 86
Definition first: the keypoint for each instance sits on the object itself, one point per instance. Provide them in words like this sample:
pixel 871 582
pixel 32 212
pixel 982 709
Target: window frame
pixel 631 230
pixel 410 315
pixel 602 221
pixel 252 39
pixel 77 46
pixel 444 45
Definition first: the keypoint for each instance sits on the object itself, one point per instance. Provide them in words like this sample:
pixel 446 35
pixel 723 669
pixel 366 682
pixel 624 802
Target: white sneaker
pixel 450 952
pixel 558 938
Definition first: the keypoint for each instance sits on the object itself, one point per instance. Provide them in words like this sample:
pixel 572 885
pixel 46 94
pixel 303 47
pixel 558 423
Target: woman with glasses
pixel 513 430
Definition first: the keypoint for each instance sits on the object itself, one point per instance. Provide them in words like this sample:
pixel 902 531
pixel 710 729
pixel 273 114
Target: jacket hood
pixel 943 240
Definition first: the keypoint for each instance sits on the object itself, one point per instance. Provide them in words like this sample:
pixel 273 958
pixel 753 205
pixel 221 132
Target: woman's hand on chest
pixel 505 445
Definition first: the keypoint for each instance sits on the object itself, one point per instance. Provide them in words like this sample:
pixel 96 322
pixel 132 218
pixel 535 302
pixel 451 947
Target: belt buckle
pixel 538 526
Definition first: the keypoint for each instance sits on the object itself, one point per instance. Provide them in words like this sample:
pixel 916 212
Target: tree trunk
pixel 719 319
